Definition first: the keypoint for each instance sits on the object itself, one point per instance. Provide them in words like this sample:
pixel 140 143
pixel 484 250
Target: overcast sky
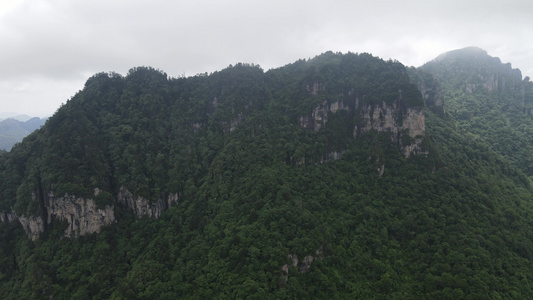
pixel 48 48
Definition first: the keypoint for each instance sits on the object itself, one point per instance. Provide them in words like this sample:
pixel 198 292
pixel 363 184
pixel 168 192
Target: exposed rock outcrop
pixel 144 207
pixel 82 215
pixel 8 217
pixel 32 225
pixel 314 87
pixel 319 116
pixel 302 266
pixel 334 155
pixel 405 125
pixel 501 78
pixel 231 125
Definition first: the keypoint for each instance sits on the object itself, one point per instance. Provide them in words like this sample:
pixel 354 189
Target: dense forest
pixel 286 186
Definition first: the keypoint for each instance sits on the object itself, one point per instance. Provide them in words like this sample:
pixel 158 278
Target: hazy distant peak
pixel 464 52
pixel 13 131
pixel 15 116
pixel 22 118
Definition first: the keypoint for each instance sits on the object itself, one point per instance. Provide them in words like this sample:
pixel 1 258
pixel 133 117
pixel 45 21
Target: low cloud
pixel 55 44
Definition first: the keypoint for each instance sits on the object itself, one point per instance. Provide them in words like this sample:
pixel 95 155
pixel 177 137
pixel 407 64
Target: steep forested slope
pixel 489 100
pixel 326 178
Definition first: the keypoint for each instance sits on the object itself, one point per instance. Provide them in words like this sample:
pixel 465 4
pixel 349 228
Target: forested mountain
pixel 490 101
pixel 13 131
pixel 342 176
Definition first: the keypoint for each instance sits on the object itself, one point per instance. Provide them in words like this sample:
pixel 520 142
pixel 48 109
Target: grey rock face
pixel 83 216
pixel 406 126
pixel 144 207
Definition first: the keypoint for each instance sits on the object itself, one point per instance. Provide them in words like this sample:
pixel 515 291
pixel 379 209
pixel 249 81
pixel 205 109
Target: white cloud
pixel 38 96
pixel 54 45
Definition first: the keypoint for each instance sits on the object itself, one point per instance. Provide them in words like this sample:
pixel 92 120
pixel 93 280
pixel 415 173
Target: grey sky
pixel 50 47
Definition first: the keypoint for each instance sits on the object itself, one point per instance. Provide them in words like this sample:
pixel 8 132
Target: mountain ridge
pixel 399 115
pixel 290 183
pixel 13 131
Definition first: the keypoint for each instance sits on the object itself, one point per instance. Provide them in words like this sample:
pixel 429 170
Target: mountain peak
pixel 464 52
pixel 473 69
pixel 15 116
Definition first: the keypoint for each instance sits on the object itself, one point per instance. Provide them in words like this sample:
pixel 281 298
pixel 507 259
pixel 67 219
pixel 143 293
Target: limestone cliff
pixel 144 207
pixel 404 124
pixel 32 225
pixel 83 216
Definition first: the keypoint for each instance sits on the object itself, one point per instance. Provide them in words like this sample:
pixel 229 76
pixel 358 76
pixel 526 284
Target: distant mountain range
pixel 16 116
pixel 14 129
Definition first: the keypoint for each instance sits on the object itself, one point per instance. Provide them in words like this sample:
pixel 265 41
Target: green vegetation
pixel 490 101
pixel 255 186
